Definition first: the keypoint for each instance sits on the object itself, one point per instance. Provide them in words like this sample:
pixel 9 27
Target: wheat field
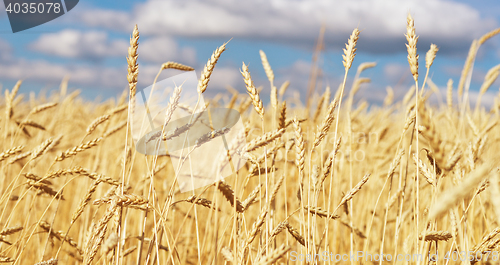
pixel 324 181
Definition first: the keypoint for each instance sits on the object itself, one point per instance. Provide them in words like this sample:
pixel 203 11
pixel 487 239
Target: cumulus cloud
pixel 69 43
pixel 226 76
pixel 449 24
pixel 394 72
pixel 111 19
pixel 52 73
pixel 5 50
pixel 97 45
pixel 162 49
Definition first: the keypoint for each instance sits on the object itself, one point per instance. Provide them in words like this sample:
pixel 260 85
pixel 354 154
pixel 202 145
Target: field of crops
pixel 326 177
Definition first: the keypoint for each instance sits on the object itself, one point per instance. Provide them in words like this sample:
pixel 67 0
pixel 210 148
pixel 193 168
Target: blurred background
pixel 89 44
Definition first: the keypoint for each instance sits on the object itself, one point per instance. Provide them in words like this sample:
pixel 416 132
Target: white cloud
pixel 112 19
pixel 446 23
pixel 162 49
pixel 298 75
pixel 393 72
pixel 51 73
pixel 70 43
pixel 5 50
pixel 226 76
pixel 97 45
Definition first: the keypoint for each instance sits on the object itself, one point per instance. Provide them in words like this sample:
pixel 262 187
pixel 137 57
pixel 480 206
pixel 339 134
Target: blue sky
pixel 89 44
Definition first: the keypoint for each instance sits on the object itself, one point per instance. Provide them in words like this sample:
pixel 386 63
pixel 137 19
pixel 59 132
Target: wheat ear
pixel 390 96
pixel 412 39
pixel 256 226
pixel 436 236
pixel 172 105
pixel 97 122
pixel 133 67
pixel 295 234
pixel 52 261
pixel 264 140
pixel 274 256
pixel 430 55
pixel 77 149
pixel 227 254
pixel 11 230
pixel 177 66
pixel 353 191
pixel 350 49
pixel 228 192
pixel 270 77
pixel 325 125
pixel 209 68
pixel 85 201
pixel 9 152
pixel 451 196
pixel 252 91
pixel 320 212
pixel 97 235
pixel 300 154
pixel 43 107
pixel 41 149
pixel 282 117
pixel 449 94
pixel 467 66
